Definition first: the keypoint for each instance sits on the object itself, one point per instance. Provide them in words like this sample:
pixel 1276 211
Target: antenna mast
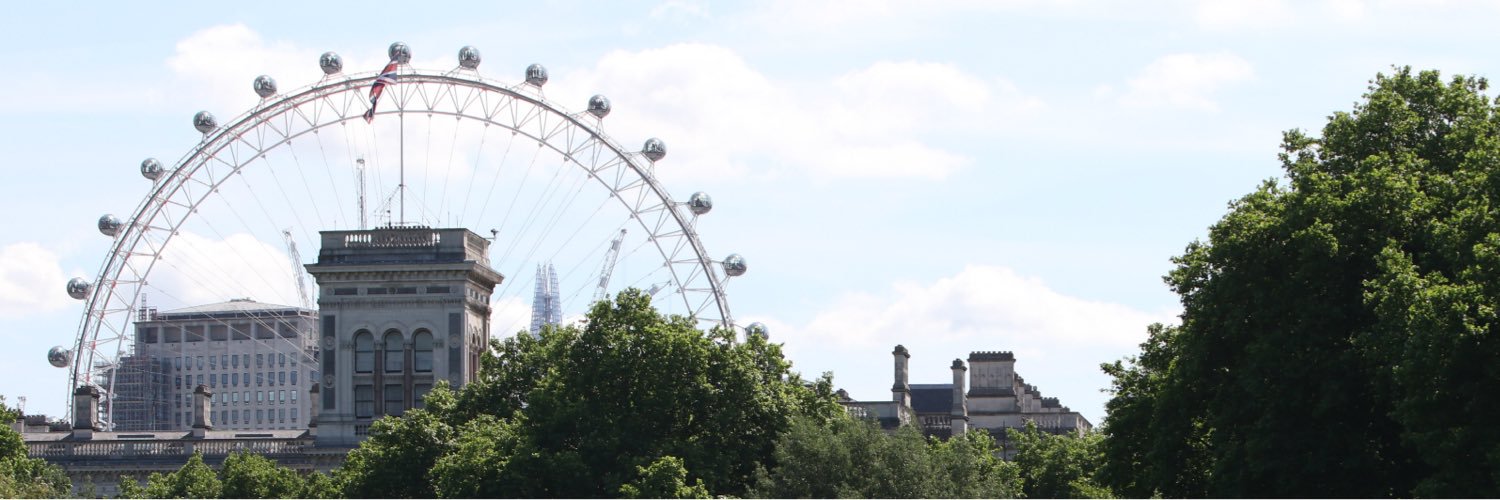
pixel 297 270
pixel 609 266
pixel 359 169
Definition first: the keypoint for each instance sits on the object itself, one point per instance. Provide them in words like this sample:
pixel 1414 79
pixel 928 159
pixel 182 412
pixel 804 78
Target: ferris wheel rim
pixel 105 301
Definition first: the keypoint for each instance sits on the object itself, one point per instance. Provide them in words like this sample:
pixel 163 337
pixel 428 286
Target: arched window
pixel 394 352
pixel 364 352
pixel 422 351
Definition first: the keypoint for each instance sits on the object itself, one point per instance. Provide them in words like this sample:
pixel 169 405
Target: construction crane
pixel 298 272
pixel 609 265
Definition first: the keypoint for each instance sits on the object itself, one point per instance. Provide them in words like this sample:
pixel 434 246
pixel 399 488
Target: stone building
pixel 257 358
pixel 401 308
pixel 997 399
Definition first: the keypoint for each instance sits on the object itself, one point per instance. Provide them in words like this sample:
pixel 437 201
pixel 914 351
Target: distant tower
pixel 546 307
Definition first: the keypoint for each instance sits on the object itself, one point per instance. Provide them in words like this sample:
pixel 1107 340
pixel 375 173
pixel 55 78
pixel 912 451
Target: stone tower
pixel 400 308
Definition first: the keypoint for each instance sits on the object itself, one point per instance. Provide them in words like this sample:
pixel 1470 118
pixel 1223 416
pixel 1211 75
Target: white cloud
pixel 31 281
pixel 1185 81
pixel 1059 340
pixel 721 117
pixel 218 65
pixel 196 270
pixel 1220 15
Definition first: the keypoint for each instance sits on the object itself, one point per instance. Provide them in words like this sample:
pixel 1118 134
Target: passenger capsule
pixel 265 86
pixel 700 203
pixel 654 149
pixel 110 225
pixel 734 265
pixel 59 357
pixel 758 329
pixel 599 106
pixel 151 169
pixel 536 75
pixel 400 53
pixel 331 63
pixel 205 122
pixel 79 288
pixel 468 57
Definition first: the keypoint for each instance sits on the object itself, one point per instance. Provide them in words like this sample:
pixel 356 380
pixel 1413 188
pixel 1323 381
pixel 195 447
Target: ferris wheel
pixel 399 147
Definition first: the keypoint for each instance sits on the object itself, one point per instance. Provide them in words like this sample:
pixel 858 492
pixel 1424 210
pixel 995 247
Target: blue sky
pixel 952 176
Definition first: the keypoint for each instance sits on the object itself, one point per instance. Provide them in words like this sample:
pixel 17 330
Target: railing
pixel 124 450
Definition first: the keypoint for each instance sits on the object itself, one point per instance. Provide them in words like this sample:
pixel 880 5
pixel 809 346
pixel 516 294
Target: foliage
pixel 581 411
pixel 21 476
pixel 664 478
pixel 849 458
pixel 193 480
pixel 1339 333
pixel 1057 465
pixel 247 475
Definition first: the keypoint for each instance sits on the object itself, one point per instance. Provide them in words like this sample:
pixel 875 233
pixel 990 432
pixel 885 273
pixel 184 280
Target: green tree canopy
pixel 851 458
pixel 582 411
pixel 21 476
pixel 1057 465
pixel 1339 331
pixel 194 479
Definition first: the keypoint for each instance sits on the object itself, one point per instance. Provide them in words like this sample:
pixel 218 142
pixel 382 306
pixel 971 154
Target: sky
pixel 949 175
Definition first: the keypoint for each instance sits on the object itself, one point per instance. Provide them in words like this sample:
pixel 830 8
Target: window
pixel 200 362
pixel 294 396
pixel 260 396
pixel 394 404
pixel 260 360
pixel 259 415
pixel 281 378
pixel 234 378
pixel 224 379
pixel 393 351
pixel 281 415
pixel 200 377
pixel 235 360
pixel 177 363
pixel 417 391
pixel 213 381
pixel 260 379
pixel 247 399
pixel 364 352
pixel 213 363
pixel 281 396
pixel 281 359
pixel 364 401
pixel 235 397
pixel 294 378
pixel 270 378
pixel 294 414
pixel 224 360
pixel 422 352
pixel 177 381
pixel 234 416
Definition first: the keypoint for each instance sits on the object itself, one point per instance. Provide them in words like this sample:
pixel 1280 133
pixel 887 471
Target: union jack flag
pixel 387 77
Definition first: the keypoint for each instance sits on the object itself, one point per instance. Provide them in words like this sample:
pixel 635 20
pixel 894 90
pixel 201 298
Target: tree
pixel 21 476
pixel 664 478
pixel 1057 465
pixel 193 480
pixel 581 411
pixel 248 475
pixel 850 458
pixel 1339 332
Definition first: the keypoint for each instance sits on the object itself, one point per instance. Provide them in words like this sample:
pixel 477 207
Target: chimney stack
pixel 901 391
pixel 202 411
pixel 959 417
pixel 85 412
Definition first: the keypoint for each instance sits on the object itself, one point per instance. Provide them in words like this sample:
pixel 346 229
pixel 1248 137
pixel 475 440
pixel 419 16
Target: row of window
pixel 233 416
pixel 199 333
pixel 227 398
pixel 186 363
pixel 402 290
pixel 394 404
pixel 233 379
pixel 395 355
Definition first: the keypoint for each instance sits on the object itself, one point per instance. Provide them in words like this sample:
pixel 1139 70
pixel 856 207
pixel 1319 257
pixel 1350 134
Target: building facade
pixel 257 358
pixel 401 308
pixel 997 398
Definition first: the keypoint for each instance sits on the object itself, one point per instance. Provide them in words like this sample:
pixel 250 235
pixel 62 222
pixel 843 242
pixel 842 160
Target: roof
pixel 932 398
pixel 39 437
pixel 235 305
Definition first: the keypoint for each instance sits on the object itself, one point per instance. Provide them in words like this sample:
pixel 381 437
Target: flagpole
pixel 402 187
